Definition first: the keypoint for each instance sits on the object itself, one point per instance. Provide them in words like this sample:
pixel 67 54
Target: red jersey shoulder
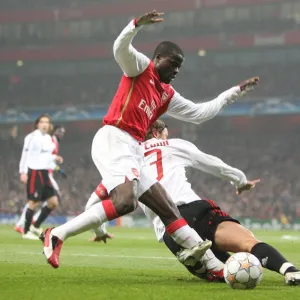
pixel 168 93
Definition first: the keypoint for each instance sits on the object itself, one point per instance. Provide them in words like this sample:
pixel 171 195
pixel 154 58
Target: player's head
pixel 168 58
pixel 158 130
pixel 43 123
pixel 59 131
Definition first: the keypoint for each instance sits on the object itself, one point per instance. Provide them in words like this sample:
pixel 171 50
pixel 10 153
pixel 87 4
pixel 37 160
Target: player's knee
pixel 32 204
pixel 248 243
pixel 124 198
pixel 52 203
pixel 129 204
pixel 124 203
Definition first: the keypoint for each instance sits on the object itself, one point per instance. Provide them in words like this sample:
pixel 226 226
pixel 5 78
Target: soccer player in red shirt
pixel 144 94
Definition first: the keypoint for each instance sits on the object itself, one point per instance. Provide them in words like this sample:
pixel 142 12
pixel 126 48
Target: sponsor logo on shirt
pixel 149 110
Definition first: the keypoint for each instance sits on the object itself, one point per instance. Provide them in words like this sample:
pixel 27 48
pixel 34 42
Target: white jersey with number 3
pixel 166 160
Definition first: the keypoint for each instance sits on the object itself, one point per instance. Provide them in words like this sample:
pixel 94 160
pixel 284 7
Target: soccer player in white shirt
pixel 37 158
pixel 205 216
pixel 166 160
pixel 57 136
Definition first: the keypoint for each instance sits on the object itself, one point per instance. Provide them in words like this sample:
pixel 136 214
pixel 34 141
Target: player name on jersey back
pixel 154 145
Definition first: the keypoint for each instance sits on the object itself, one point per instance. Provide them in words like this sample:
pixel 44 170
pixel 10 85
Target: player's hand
pixel 59 159
pixel 101 238
pixel 149 18
pixel 249 84
pixel 250 185
pixel 62 173
pixel 23 178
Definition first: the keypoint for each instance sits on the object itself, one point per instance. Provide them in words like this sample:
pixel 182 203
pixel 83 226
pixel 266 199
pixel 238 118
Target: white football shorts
pixel 117 156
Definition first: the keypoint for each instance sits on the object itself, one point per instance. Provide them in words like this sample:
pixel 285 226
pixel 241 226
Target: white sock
pixel 92 200
pixel 185 236
pixel 211 262
pixel 284 267
pixel 21 221
pixel 100 230
pixel 90 219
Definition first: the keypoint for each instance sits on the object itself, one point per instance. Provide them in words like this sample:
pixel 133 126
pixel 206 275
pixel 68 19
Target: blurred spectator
pixel 278 80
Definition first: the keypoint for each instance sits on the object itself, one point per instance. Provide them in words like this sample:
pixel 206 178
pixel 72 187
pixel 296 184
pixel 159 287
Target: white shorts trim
pixel 53 181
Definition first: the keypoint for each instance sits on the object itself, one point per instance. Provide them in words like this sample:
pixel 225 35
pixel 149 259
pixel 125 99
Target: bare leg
pixel 124 197
pixel 233 237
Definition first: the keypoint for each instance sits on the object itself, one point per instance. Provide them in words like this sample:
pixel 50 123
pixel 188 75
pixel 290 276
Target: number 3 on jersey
pixel 158 162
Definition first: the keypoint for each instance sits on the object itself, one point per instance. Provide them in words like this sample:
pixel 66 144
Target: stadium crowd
pixel 96 89
pixel 271 156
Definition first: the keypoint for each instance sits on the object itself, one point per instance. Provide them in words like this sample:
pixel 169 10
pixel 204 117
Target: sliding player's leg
pixel 209 266
pixel 233 237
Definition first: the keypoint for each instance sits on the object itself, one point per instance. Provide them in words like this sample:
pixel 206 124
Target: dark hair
pixel 167 48
pixel 36 122
pixel 158 125
pixel 59 126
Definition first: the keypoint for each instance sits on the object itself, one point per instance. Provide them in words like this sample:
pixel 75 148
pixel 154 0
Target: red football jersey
pixel 139 102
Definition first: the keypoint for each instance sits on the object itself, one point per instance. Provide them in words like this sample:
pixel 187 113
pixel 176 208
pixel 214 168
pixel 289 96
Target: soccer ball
pixel 243 271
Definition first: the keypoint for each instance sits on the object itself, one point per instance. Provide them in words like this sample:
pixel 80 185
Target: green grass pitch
pixel 132 266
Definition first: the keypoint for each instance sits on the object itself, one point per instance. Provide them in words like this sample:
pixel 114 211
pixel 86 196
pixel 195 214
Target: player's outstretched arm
pixel 207 163
pixel 130 60
pixel 186 110
pixel 215 166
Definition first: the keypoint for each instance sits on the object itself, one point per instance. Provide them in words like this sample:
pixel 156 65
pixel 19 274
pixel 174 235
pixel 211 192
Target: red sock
pixel 101 192
pixel 109 210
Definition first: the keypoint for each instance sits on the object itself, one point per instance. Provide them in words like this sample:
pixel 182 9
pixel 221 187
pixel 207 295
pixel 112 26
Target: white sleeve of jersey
pixel 186 110
pixel 197 159
pixel 23 167
pixel 130 60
